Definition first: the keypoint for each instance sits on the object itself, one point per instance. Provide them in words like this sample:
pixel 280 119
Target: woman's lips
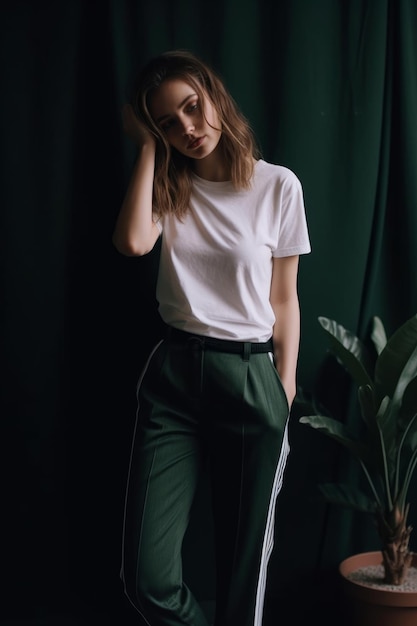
pixel 195 143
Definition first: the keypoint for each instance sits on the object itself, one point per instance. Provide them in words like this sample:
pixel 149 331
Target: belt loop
pixel 247 348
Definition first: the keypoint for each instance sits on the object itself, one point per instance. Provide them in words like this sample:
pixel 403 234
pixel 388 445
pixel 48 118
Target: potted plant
pixel 386 447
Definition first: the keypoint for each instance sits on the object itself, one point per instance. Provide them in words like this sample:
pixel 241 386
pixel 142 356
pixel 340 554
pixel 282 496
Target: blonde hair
pixel 172 180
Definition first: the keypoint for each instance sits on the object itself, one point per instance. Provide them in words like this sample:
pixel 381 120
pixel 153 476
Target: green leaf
pixel 371 415
pixel 367 404
pixel 337 431
pixel 407 375
pixel 390 364
pixel 394 421
pixel 378 335
pixel 350 351
pixel 409 404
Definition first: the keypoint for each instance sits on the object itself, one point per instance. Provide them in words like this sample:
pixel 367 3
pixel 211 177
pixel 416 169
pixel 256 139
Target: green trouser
pixel 198 407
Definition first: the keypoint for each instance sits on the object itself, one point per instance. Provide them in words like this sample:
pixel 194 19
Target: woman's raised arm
pixel 135 233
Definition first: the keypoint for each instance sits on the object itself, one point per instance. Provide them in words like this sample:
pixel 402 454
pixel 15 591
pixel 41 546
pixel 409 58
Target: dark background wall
pixel 331 90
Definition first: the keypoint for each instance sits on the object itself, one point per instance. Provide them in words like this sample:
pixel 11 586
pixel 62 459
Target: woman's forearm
pixel 286 338
pixel 135 233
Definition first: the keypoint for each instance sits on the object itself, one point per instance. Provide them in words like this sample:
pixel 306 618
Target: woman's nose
pixel 187 128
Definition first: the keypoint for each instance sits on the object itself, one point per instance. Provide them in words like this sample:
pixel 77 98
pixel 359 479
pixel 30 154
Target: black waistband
pixel 220 345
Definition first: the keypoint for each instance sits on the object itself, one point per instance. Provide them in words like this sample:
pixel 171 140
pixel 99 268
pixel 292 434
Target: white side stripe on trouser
pixel 269 529
pixel 122 576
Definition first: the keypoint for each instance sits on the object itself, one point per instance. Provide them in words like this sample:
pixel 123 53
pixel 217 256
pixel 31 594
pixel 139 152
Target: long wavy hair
pixel 172 179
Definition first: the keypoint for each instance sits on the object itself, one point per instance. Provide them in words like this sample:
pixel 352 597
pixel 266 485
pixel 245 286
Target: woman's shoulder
pixel 266 171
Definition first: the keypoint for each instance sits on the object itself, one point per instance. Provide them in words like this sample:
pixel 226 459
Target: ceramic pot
pixel 373 606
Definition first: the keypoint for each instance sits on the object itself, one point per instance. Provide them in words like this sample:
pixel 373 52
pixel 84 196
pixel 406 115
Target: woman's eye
pixel 167 125
pixel 170 122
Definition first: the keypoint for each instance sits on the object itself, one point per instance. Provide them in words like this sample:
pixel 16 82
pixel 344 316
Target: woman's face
pixel 177 110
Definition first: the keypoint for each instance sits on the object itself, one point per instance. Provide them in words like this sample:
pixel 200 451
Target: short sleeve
pixel 293 236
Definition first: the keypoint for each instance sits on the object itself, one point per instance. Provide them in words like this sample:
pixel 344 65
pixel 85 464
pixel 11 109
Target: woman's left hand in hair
pixel 134 128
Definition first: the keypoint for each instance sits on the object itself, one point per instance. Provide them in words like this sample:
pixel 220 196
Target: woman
pixel 217 390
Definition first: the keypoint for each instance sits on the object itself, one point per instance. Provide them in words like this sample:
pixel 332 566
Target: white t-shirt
pixel 216 265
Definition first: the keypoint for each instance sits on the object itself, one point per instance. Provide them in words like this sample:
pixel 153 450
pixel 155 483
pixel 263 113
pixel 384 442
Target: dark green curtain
pixel 331 90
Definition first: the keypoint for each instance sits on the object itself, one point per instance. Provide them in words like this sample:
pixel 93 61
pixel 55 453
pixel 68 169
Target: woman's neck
pixel 213 167
pixel 215 174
